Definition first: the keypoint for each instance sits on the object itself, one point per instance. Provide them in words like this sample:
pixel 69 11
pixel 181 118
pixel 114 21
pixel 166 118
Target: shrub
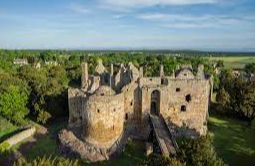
pixel 159 160
pixel 4 146
pixel 47 161
pixel 199 152
pixel 43 116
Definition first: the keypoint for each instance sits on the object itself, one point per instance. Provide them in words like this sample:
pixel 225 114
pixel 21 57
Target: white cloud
pixel 166 17
pixel 149 3
pixel 79 8
pixel 193 21
pixel 154 16
pixel 190 25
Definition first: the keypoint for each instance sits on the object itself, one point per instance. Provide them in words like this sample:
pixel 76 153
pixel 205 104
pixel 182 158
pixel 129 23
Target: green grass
pixel 48 144
pixel 133 154
pixel 234 141
pixel 6 128
pixel 235 62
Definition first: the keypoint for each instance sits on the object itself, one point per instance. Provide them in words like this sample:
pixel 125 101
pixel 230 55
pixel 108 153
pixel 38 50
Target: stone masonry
pixel 108 108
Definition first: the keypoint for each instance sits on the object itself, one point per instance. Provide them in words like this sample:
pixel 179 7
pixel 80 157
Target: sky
pixel 210 25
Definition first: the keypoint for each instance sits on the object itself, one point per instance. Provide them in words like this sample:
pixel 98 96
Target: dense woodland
pixel 35 94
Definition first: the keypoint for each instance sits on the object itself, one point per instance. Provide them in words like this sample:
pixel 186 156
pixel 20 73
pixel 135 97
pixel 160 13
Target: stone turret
pixel 100 69
pixel 133 71
pixel 84 75
pixel 141 72
pixel 111 77
pixel 200 72
pixel 162 71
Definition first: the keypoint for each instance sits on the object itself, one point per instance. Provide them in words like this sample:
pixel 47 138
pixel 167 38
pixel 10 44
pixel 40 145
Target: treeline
pixel 236 94
pixel 41 93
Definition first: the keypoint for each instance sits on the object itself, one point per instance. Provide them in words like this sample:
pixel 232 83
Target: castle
pixel 109 108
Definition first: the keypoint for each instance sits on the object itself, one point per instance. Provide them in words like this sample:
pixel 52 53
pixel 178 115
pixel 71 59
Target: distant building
pixel 20 62
pixel 53 63
pixel 236 73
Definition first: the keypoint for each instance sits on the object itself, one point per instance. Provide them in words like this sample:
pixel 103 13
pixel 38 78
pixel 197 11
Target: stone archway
pixel 155 102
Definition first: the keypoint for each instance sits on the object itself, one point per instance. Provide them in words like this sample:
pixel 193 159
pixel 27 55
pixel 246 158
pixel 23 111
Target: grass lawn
pixel 235 62
pixel 233 141
pixel 6 129
pixel 133 154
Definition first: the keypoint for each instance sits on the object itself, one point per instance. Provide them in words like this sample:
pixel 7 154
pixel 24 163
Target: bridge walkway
pixel 163 136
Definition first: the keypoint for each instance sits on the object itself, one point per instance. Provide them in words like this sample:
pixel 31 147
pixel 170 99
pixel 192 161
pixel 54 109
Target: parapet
pixel 104 91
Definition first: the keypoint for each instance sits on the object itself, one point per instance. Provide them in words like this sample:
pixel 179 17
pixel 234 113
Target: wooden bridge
pixel 167 144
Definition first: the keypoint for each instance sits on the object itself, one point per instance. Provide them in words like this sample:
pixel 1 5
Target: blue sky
pixel 227 25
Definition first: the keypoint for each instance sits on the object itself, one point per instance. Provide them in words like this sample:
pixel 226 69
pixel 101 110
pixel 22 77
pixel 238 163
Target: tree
pixel 223 98
pixel 13 103
pixel 160 160
pixel 199 152
pixel 247 103
pixel 249 68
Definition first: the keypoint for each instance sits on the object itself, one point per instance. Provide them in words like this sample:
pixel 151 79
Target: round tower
pixel 103 118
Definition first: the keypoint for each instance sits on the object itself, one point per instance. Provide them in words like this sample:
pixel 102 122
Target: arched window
pixel 126 116
pixel 155 102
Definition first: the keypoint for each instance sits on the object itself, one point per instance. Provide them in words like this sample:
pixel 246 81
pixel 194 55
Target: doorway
pixel 155 103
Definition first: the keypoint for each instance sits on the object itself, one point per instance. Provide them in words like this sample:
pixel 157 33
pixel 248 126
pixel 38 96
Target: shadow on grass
pixel 233 140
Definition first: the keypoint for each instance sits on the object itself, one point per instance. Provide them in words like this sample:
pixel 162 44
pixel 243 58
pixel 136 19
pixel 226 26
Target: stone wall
pixel 103 118
pixel 150 81
pixel 21 136
pixel 75 100
pixel 183 102
pixel 187 106
pixel 94 83
pixel 132 105
pixel 122 78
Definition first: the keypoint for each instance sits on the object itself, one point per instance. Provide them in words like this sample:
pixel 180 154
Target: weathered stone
pixel 106 114
pixel 148 148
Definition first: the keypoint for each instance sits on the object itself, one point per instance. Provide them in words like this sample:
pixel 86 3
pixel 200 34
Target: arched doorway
pixel 155 102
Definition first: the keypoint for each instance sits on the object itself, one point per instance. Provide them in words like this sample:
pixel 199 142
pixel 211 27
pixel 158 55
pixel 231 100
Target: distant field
pixel 233 140
pixel 235 61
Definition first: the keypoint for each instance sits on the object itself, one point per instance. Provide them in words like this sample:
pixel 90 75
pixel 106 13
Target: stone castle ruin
pixel 110 108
